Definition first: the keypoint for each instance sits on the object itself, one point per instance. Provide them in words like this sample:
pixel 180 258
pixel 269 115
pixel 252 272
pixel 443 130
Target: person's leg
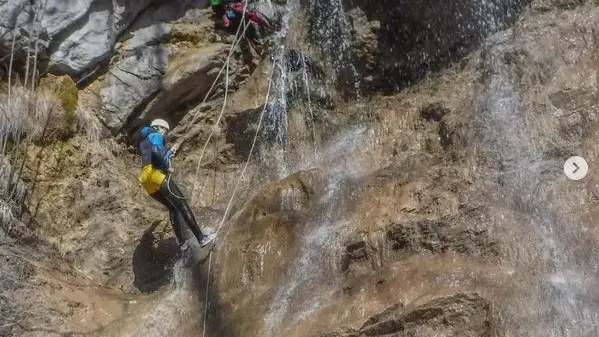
pixel 174 195
pixel 253 33
pixel 177 223
pixel 175 218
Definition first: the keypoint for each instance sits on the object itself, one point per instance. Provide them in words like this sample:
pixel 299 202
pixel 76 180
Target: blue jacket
pixel 152 149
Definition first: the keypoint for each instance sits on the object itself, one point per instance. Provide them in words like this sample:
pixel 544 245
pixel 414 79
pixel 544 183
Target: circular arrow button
pixel 576 168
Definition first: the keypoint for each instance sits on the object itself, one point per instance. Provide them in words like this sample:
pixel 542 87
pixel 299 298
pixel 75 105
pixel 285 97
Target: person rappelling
pixel 232 13
pixel 155 178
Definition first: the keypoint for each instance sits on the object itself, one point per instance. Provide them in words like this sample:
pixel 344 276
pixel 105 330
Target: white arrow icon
pixel 576 168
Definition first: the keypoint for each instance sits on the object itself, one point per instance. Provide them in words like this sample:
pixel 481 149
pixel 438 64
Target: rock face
pixel 441 209
pixel 187 82
pixel 467 315
pixel 15 14
pixel 131 82
pixel 75 35
pixel 91 40
pixel 394 45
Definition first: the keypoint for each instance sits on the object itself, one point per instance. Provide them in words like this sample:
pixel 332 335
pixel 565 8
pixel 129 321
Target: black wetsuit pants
pixel 180 213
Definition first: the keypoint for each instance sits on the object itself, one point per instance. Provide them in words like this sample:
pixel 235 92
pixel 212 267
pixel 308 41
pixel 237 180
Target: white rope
pixel 206 297
pixel 251 150
pixel 238 39
pixel 236 42
pixel 235 191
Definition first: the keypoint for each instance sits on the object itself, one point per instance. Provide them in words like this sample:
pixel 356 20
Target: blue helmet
pixel 231 14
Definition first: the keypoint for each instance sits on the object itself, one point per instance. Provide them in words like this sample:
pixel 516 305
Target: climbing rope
pixel 236 41
pixel 251 149
pixel 206 303
pixel 225 67
pixel 235 191
pixel 168 186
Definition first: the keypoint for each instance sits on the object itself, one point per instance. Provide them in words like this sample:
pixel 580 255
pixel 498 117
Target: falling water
pixel 559 293
pixel 174 312
pixel 275 126
pixel 558 304
pixel 330 29
pixel 314 266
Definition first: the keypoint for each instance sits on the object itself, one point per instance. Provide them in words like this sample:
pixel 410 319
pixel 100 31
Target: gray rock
pixel 130 83
pixel 60 14
pixel 188 81
pixel 77 34
pixel 148 36
pixel 15 19
pixel 153 25
pixel 92 39
pixel 136 78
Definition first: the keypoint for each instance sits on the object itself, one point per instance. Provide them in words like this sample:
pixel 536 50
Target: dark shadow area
pixel 400 41
pixel 153 261
pixel 240 131
pixel 327 28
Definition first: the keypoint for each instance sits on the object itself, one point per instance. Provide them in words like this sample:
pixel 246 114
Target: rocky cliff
pixel 406 178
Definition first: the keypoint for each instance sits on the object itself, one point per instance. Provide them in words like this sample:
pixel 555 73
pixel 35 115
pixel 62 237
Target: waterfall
pixel 559 303
pixel 174 313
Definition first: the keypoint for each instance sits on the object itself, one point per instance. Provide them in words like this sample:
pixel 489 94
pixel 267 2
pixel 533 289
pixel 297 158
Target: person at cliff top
pixel 156 180
pixel 218 6
pixel 232 13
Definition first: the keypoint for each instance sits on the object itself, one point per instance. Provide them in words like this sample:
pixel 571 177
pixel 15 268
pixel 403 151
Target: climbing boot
pixel 207 239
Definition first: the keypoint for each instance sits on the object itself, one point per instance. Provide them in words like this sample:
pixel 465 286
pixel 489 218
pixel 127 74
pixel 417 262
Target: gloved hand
pixel 174 149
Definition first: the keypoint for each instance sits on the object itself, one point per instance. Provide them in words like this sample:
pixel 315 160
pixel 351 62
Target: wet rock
pixel 447 235
pixel 575 99
pixel 467 315
pixel 153 261
pixel 547 5
pixel 355 251
pixel 294 196
pixel 394 45
pixel 241 129
pixel 434 112
pixel 462 234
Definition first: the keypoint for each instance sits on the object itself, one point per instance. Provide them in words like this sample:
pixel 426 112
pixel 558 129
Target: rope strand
pixel 194 186
pixel 251 150
pixel 206 297
pixel 235 191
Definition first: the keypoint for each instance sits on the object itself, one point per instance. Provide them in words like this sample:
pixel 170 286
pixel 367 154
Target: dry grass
pixel 41 116
pixel 25 117
pixel 24 114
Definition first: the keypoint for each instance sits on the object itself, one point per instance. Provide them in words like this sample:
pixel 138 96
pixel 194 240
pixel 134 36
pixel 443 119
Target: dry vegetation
pixel 34 109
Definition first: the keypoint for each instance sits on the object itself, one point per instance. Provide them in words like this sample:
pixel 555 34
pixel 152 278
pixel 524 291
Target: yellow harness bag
pixel 151 178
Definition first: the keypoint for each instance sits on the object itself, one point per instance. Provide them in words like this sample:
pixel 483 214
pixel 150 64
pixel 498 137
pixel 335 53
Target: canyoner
pixel 237 13
pixel 156 178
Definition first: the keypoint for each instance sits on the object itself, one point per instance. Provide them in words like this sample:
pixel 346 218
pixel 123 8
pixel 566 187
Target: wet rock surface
pixel 436 210
pixel 398 44
pixel 458 315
